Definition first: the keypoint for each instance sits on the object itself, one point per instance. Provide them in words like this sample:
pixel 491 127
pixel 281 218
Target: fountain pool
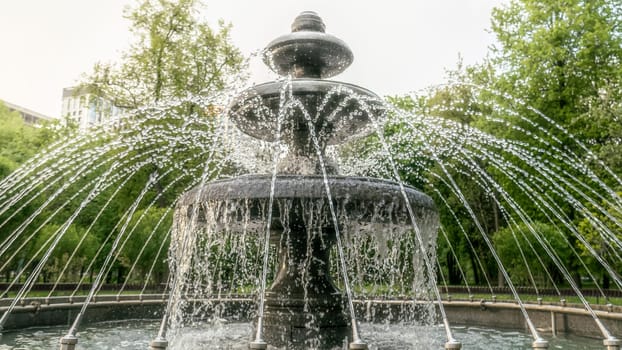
pixel 133 335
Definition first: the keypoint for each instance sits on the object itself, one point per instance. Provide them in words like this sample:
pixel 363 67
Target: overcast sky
pixel 399 45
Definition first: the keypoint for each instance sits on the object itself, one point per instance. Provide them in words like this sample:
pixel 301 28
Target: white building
pixel 86 109
pixel 31 117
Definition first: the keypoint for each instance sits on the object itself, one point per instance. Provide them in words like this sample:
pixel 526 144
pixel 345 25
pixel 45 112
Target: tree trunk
pixel 120 277
pixel 495 210
pixel 606 281
pixel 452 270
pixel 474 267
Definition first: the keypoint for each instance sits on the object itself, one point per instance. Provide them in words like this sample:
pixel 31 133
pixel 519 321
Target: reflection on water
pixel 102 336
pixel 137 334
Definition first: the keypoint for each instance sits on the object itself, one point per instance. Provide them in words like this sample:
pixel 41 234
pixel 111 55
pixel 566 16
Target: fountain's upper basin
pixel 317 53
pixel 356 199
pixel 339 111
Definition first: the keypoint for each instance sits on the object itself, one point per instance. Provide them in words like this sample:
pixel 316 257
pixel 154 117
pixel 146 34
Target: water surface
pixel 233 336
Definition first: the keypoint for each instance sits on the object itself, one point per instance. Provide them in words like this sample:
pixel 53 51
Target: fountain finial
pixel 309 21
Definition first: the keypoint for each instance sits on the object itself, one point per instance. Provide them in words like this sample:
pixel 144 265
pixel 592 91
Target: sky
pixel 399 45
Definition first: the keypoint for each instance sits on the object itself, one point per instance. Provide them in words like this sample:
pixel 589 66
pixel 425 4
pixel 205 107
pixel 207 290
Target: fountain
pixel 307 186
pixel 338 249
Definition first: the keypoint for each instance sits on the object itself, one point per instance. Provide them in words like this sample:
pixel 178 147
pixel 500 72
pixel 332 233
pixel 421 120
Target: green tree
pixel 175 55
pixel 522 251
pixel 599 244
pixel 564 58
pixel 142 249
pixel 560 58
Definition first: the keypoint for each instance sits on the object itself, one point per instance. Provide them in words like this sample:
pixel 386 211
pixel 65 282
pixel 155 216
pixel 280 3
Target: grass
pixel 375 290
pixel 532 298
pixel 60 293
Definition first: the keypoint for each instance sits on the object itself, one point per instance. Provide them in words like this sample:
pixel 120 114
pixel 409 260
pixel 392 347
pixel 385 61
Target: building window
pixel 92 112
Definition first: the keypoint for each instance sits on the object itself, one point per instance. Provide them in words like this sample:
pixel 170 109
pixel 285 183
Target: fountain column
pixel 303 308
pixel 303 303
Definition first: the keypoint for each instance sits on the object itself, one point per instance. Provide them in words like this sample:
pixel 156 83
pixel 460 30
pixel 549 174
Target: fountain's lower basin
pixel 303 308
pixel 348 188
pixel 133 335
pixel 357 200
pixel 489 326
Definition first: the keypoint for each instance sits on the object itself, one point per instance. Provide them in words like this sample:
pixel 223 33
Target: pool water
pixel 232 336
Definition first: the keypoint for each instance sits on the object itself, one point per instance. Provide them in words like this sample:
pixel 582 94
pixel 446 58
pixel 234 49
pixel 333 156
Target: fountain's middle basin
pixel 360 199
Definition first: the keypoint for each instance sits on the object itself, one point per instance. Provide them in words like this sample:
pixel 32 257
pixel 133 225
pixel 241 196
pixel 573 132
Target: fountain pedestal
pixel 303 308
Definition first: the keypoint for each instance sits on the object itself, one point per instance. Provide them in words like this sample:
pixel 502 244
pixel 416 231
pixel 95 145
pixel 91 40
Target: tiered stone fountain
pixel 303 307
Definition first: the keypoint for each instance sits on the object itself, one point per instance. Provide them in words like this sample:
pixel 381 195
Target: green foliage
pixel 107 186
pixel 60 259
pixel 18 140
pixel 149 228
pixel 549 88
pixel 175 55
pixel 534 261
pixel 563 58
pixel 128 175
pixel 597 242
